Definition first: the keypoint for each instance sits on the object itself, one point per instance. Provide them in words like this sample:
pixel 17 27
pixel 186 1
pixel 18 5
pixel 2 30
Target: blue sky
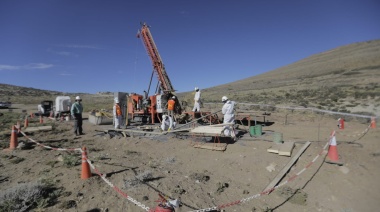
pixel 91 45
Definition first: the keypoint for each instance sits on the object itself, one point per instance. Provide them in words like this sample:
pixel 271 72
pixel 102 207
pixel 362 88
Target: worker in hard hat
pixel 171 106
pixel 117 114
pixel 167 123
pixel 76 113
pixel 197 100
pixel 229 116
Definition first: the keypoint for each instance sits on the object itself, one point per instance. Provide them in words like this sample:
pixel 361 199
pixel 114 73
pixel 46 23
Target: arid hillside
pixel 345 79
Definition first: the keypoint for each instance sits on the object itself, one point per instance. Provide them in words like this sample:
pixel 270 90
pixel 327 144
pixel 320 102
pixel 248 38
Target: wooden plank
pixel 34 129
pixel 281 174
pixel 206 129
pixel 219 125
pixel 45 128
pixel 274 148
pixel 134 131
pixel 286 148
pixel 211 146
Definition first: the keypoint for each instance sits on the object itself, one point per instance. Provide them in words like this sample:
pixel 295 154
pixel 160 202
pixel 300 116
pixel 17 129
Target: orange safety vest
pixel 118 110
pixel 171 103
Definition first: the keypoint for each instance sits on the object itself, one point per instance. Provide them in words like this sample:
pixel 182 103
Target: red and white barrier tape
pixel 47 147
pixel 146 208
pixel 355 135
pixel 323 151
pixel 93 167
pixel 303 108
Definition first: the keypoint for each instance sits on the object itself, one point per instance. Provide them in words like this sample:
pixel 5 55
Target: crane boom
pixel 158 66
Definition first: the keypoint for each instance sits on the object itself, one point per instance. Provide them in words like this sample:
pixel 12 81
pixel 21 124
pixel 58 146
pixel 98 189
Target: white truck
pixel 61 106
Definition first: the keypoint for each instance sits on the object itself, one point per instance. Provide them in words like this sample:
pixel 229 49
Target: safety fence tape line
pixel 323 151
pixel 355 135
pixel 92 166
pixel 146 208
pixel 48 147
pixel 309 108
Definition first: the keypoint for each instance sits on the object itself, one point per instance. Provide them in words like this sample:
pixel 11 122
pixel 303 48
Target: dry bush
pixel 70 160
pixel 27 196
pixel 138 179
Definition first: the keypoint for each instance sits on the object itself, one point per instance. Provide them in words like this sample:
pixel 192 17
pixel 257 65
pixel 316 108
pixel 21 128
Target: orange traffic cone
pixel 341 123
pixel 26 123
pixel 373 123
pixel 41 120
pixel 13 144
pixel 86 172
pixel 333 151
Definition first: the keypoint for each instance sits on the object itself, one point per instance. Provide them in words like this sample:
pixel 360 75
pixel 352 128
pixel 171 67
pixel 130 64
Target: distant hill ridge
pixel 339 62
pixel 346 79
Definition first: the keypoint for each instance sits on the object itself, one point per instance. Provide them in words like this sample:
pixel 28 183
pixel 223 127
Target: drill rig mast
pixel 153 106
pixel 158 66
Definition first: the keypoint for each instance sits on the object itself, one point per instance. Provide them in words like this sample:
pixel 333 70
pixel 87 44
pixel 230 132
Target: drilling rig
pixel 148 109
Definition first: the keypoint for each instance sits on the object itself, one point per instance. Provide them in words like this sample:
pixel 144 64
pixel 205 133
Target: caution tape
pixel 355 135
pixel 48 147
pixel 241 201
pixel 244 200
pixel 146 208
pixel 308 108
pixel 92 166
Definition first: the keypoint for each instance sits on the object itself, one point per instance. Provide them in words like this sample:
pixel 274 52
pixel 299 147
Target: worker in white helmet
pixel 76 112
pixel 167 123
pixel 229 116
pixel 197 100
pixel 117 114
pixel 171 106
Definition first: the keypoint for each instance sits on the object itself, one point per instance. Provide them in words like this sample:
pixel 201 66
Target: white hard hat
pixel 77 98
pixel 196 88
pixel 173 97
pixel 224 98
pixel 164 117
pixel 116 101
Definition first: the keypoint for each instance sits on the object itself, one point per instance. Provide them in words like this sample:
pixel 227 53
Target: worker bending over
pixel 117 114
pixel 229 116
pixel 197 100
pixel 167 123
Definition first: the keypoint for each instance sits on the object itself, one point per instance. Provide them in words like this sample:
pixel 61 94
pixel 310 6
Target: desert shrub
pixel 170 160
pixel 344 111
pixel 338 71
pixel 304 103
pixel 351 73
pixel 27 196
pixel 352 105
pixel 138 179
pixel 70 160
pixel 8 119
pixel 17 160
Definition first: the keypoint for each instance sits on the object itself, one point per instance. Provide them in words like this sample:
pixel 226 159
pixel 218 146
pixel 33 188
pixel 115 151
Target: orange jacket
pixel 171 103
pixel 118 110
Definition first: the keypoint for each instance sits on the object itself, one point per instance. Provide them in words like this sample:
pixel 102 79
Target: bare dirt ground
pixel 205 178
